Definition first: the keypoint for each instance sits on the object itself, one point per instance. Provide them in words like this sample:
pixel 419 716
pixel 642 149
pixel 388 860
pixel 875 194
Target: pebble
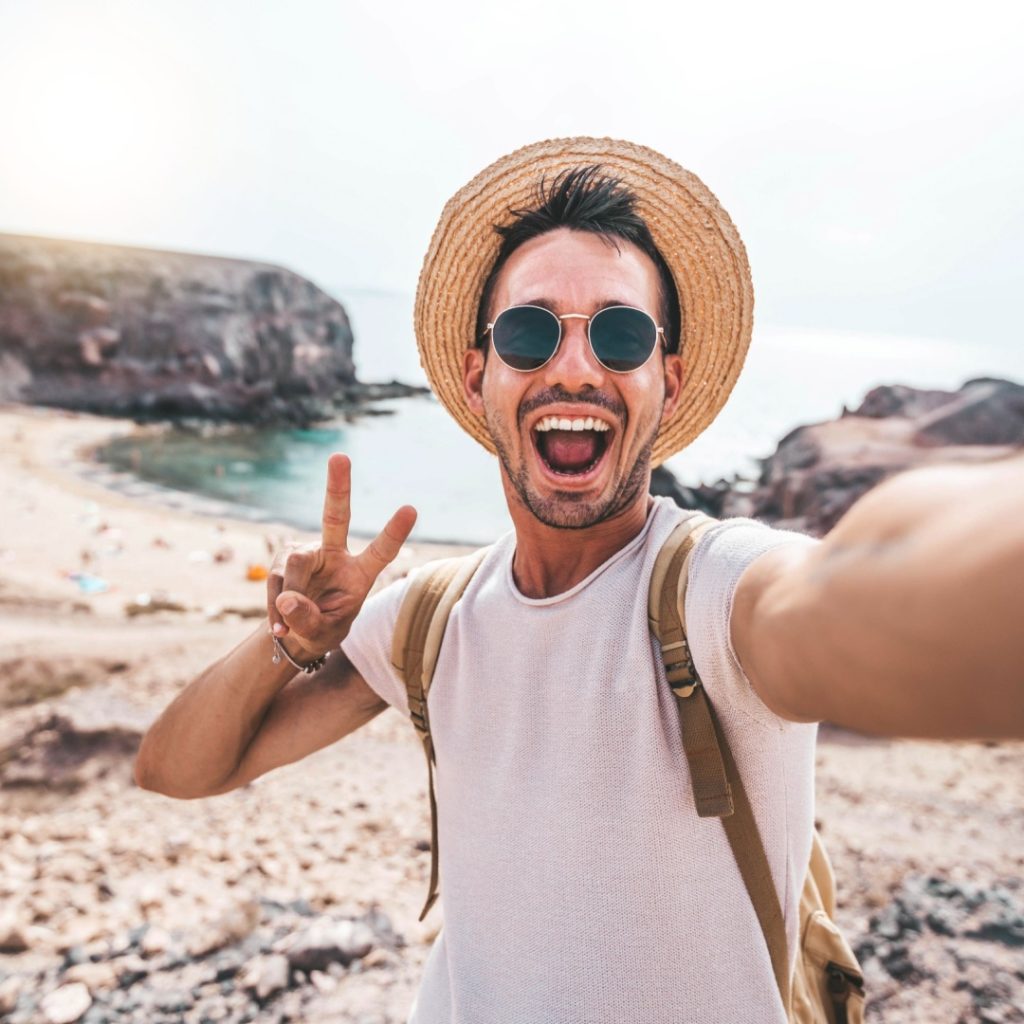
pixel 232 925
pixel 324 983
pixel 13 933
pixel 66 1004
pixel 96 977
pixel 265 975
pixel 10 989
pixel 155 941
pixel 326 941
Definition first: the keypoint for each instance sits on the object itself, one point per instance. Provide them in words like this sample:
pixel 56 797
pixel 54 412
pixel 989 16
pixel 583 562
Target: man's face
pixel 574 479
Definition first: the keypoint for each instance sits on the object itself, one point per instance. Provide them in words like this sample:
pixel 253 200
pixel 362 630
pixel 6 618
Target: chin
pixel 572 505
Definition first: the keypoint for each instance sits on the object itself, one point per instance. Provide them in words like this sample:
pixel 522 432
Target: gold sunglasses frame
pixel 660 333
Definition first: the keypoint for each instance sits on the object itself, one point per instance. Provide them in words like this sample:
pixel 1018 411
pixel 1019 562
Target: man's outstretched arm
pixel 908 618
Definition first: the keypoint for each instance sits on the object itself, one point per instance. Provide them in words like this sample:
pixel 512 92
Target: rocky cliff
pixel 818 471
pixel 147 333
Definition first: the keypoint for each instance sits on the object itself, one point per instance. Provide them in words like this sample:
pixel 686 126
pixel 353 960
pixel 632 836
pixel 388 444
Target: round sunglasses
pixel 622 338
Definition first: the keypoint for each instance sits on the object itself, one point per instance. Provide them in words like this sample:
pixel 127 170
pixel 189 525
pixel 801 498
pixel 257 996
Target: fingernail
pixel 288 605
pixel 278 628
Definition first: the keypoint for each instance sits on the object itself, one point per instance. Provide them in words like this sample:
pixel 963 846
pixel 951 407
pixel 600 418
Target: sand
pixel 86 857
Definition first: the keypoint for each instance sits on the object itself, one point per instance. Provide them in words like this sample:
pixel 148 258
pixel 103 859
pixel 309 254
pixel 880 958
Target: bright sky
pixel 872 154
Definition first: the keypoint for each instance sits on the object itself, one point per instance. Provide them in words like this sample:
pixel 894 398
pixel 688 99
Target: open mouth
pixel 571 446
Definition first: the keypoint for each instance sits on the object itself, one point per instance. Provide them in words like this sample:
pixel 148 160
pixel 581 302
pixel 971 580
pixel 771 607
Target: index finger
pixel 337 505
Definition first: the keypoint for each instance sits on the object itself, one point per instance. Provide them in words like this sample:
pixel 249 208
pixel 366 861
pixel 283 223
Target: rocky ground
pixel 295 898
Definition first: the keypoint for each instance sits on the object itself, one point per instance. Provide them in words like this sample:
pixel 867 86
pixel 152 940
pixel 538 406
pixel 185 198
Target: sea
pixel 411 452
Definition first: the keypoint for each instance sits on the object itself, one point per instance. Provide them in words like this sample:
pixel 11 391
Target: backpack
pixel 827 984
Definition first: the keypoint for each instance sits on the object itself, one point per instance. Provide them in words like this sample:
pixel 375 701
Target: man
pixel 599 331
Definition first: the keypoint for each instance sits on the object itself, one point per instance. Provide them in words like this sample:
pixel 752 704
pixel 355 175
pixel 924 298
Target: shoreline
pixel 76 550
pixel 86 465
pixel 72 465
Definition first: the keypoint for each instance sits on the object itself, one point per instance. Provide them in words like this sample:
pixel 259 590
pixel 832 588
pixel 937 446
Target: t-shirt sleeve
pixel 368 644
pixel 718 560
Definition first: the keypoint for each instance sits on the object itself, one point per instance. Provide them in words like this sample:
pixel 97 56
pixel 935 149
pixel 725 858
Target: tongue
pixel 569 451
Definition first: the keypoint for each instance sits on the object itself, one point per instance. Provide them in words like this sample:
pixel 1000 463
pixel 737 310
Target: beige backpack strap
pixel 748 851
pixel 717 787
pixel 419 630
pixel 666 609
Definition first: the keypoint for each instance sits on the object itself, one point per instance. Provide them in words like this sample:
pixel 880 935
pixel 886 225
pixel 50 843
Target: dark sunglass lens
pixel 623 338
pixel 525 336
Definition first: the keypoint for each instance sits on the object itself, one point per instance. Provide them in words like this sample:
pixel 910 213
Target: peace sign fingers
pixel 383 549
pixel 337 507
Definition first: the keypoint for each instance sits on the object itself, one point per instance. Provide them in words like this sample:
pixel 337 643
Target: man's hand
pixel 315 591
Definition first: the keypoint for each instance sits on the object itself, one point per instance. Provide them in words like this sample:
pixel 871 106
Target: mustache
pixel 551 396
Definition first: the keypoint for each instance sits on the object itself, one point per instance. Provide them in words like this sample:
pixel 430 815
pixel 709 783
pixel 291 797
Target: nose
pixel 574 366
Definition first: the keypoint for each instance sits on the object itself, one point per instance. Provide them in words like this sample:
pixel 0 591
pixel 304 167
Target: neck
pixel 549 560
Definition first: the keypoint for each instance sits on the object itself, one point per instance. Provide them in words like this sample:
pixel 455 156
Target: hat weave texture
pixel 693 232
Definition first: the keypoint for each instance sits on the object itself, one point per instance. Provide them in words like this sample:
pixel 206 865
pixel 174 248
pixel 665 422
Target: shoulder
pixel 734 563
pixel 731 546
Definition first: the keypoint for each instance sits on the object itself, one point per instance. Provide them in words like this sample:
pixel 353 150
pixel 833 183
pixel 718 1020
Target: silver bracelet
pixel 312 667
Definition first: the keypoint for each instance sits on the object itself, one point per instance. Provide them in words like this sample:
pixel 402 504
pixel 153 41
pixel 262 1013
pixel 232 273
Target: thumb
pixel 301 616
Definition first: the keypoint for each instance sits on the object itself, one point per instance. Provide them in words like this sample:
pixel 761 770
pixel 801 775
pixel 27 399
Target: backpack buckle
pixel 686 689
pixel 679 668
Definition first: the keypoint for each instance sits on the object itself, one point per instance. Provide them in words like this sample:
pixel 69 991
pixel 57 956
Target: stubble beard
pixel 569 510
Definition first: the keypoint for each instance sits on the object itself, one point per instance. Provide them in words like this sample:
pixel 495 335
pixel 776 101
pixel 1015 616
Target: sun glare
pixel 102 134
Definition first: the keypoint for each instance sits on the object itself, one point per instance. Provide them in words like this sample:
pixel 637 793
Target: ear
pixel 473 380
pixel 675 374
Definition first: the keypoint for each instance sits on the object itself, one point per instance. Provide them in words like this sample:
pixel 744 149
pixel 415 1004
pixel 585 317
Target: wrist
pixel 298 656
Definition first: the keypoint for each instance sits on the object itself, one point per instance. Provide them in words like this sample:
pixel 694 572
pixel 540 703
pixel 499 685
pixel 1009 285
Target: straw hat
pixel 699 242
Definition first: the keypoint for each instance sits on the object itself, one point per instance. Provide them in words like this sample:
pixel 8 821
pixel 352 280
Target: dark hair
pixel 583 199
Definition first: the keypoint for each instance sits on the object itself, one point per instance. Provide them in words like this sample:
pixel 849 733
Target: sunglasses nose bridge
pixel 574 364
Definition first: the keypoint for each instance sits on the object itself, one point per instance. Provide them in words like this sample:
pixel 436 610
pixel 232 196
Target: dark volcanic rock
pixel 154 334
pixel 935 928
pixel 90 732
pixel 984 412
pixel 705 498
pixel 899 400
pixel 817 472
pixel 267 976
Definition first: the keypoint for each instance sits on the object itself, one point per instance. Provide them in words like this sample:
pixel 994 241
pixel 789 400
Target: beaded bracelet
pixel 318 663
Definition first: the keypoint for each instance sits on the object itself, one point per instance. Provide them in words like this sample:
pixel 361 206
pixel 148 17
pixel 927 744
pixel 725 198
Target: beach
pixel 146 908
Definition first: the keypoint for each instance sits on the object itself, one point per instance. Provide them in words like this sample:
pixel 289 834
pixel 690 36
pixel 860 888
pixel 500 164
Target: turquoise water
pixel 416 455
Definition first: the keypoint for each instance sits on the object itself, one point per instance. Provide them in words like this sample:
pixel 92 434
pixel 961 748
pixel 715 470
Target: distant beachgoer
pixel 583 312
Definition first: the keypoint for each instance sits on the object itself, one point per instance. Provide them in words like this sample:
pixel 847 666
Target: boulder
pixel 983 412
pixel 148 333
pixel 818 471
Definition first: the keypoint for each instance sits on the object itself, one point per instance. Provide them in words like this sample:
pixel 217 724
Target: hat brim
pixel 692 231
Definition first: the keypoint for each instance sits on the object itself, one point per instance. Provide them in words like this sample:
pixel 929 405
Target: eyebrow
pixel 549 305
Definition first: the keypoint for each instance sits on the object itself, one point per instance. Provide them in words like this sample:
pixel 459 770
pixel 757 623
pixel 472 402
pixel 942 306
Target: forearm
pixel 907 620
pixel 200 738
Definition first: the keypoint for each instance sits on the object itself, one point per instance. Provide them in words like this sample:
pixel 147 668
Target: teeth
pixel 577 423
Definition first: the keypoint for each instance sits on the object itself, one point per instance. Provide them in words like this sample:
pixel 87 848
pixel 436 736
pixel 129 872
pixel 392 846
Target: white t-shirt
pixel 579 886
